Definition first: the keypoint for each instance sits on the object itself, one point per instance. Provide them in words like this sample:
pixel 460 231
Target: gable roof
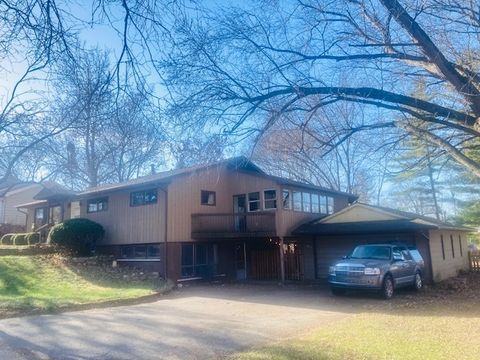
pixel 236 163
pixel 360 217
pixel 12 183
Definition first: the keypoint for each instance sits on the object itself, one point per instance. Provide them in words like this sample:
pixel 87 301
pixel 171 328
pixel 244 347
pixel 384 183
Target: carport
pixel 442 245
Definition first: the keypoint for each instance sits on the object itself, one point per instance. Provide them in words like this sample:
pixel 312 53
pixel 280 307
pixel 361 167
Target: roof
pixel 398 221
pixel 237 163
pixel 12 183
pixel 51 189
pixel 32 203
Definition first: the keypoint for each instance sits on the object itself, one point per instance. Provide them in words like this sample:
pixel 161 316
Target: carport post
pixel 282 263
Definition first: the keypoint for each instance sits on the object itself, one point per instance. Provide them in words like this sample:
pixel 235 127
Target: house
pixel 14 191
pixel 50 203
pixel 230 219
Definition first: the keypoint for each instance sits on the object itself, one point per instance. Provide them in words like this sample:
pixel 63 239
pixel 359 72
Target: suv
pixel 381 267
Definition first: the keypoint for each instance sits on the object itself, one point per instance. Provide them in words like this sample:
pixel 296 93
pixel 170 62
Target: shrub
pixel 20 239
pixel 7 239
pixel 33 238
pixel 77 235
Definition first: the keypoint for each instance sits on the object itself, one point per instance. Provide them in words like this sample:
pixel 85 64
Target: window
pixel 56 214
pixel 140 252
pixel 330 205
pixel 323 204
pixel 97 205
pixel 306 202
pixel 443 247
pixel 208 198
pixel 199 259
pixel 453 248
pixel 254 201
pixel 144 197
pixel 297 201
pixel 270 199
pixel 286 200
pixel 460 245
pixel 40 216
pixel 187 260
pixel 397 253
pixel 315 204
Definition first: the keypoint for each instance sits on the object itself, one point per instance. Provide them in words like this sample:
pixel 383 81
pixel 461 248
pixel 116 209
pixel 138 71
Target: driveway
pixel 197 322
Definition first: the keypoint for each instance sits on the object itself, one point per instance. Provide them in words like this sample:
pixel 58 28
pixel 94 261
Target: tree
pixel 113 137
pixel 247 67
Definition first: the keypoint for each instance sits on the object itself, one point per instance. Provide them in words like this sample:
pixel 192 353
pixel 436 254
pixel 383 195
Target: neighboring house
pixel 51 204
pixel 230 219
pixel 14 192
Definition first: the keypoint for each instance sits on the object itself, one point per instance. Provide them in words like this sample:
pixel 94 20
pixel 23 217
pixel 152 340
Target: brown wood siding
pixel 125 224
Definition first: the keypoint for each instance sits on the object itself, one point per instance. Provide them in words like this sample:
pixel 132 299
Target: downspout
pixel 165 269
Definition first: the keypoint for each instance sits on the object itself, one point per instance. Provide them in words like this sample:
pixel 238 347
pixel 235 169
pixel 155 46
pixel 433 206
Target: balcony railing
pixel 233 225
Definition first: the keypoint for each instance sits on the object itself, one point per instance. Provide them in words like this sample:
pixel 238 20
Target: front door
pixel 239 209
pixel 240 261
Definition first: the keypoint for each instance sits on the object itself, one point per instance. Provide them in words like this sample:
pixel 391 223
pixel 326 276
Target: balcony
pixel 254 224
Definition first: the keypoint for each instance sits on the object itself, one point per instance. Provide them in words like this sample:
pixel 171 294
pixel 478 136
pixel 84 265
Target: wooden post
pixel 282 262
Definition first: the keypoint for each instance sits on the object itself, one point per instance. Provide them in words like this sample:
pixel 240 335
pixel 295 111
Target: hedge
pixel 7 239
pixel 33 238
pixel 20 239
pixel 79 236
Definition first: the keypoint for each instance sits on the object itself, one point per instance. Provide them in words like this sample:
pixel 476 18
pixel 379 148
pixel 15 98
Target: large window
pixel 199 260
pixel 460 245
pixel 307 207
pixel 270 199
pixel 134 252
pixel 443 246
pixel 315 204
pixel 40 216
pixel 323 204
pixel 254 201
pixel 286 199
pixel 330 205
pixel 453 247
pixel 297 201
pixel 97 205
pixel 143 197
pixel 208 198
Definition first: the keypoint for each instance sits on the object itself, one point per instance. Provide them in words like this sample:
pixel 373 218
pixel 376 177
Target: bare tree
pixel 248 67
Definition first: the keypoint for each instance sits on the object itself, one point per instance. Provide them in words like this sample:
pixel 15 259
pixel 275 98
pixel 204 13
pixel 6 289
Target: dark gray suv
pixel 381 267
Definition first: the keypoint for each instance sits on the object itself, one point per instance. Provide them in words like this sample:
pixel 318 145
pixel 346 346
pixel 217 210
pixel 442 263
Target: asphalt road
pixel 198 322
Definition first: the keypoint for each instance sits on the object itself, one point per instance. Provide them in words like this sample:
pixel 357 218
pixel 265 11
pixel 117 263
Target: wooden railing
pixel 231 225
pixel 474 258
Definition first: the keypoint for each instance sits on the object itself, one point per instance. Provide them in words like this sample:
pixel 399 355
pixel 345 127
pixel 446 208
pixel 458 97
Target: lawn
pixel 43 283
pixel 437 331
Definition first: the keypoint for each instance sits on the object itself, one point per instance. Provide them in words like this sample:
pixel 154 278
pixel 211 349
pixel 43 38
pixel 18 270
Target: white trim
pixel 259 201
pixel 348 208
pixel 16 191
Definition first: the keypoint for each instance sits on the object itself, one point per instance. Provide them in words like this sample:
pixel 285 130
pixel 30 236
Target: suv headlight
pixel 331 270
pixel 372 271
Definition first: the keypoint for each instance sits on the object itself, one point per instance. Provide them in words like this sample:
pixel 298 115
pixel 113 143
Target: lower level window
pixel 199 259
pixel 140 252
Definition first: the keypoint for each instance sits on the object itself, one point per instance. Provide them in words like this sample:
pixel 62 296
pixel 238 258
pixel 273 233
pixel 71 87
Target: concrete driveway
pixel 197 322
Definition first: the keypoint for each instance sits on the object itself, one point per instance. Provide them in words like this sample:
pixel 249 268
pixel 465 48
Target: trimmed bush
pixel 77 235
pixel 33 238
pixel 7 239
pixel 20 239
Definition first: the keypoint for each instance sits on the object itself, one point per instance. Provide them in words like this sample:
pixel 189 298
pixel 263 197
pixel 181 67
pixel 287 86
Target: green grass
pixel 38 282
pixel 404 336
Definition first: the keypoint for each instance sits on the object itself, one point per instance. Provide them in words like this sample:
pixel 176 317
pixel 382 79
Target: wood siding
pixel 125 224
pixel 450 266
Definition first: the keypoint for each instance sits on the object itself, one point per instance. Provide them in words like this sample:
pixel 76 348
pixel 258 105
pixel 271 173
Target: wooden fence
pixel 474 257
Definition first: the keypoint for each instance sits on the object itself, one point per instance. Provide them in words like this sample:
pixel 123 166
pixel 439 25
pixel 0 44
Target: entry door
pixel 239 209
pixel 240 261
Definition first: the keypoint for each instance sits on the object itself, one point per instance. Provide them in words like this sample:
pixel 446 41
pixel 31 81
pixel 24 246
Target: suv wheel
pixel 418 284
pixel 387 288
pixel 337 292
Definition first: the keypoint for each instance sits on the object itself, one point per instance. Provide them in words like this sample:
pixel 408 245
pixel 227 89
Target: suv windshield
pixel 371 252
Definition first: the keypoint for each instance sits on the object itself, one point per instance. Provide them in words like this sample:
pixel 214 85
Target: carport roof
pixel 364 218
pixel 360 227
